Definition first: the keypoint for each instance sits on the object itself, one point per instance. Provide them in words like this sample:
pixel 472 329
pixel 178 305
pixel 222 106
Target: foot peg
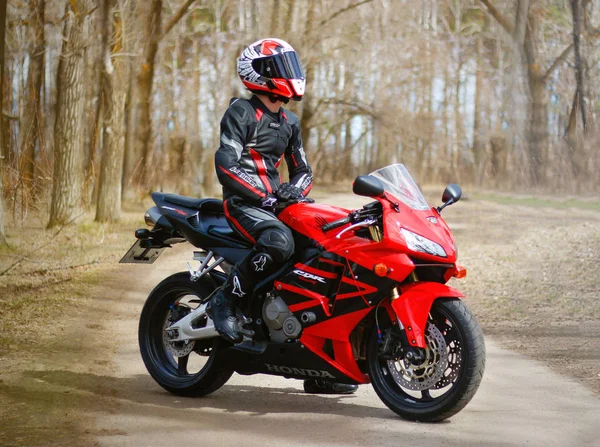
pixel 247 333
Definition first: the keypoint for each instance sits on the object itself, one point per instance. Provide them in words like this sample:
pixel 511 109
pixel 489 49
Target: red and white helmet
pixel 271 66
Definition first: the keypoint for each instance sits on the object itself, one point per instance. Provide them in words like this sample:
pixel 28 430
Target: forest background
pixel 102 102
pixel 105 101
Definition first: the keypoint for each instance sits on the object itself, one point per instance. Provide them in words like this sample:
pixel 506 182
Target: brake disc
pixel 426 374
pixel 176 348
pixel 454 362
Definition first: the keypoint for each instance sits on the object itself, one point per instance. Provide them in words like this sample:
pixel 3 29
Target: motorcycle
pixel 367 302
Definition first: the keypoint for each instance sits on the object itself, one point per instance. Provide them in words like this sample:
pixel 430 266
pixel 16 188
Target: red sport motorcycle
pixel 364 299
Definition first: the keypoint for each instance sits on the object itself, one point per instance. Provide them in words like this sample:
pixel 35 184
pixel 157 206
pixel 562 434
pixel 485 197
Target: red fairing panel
pixel 308 218
pixel 414 304
pixel 392 250
pixel 338 330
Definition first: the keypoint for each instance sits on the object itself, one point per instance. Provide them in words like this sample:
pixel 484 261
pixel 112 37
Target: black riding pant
pixel 273 240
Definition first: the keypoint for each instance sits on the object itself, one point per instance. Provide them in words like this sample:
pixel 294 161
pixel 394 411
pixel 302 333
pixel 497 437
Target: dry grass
pixel 45 273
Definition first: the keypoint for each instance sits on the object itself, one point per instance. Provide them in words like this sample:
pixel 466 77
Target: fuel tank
pixel 308 218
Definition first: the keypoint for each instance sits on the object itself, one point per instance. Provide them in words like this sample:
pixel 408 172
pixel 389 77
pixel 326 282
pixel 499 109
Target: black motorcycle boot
pixel 326 387
pixel 222 308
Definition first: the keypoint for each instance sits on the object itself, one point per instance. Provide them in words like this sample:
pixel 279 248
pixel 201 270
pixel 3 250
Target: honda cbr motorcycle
pixel 363 300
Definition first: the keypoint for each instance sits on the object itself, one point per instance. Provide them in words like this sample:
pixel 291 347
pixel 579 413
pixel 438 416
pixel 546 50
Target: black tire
pixel 159 362
pixel 446 315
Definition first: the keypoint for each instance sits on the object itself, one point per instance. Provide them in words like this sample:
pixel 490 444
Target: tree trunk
pixel 129 156
pixel 308 108
pixel 577 10
pixel 68 129
pixel 2 40
pixel 152 34
pixel 30 128
pixel 6 93
pixel 275 18
pixel 538 128
pixel 93 126
pixel 478 143
pixel 109 186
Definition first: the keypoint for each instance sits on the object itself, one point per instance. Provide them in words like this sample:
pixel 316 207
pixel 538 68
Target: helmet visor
pixel 284 65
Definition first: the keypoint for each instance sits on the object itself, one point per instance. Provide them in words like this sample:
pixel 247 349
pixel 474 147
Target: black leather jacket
pixel 253 143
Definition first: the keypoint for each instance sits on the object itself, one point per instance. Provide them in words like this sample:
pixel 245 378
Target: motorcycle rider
pixel 255 136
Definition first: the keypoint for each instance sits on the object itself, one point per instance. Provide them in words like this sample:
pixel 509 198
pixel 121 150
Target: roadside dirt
pixel 531 284
pixel 55 345
pixel 533 281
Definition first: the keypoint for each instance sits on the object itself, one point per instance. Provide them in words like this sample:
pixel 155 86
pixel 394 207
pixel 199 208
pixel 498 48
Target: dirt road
pixel 520 402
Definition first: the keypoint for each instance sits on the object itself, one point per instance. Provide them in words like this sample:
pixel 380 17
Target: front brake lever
pixel 363 223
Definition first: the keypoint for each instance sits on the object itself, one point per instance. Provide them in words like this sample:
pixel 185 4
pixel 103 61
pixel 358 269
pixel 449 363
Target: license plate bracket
pixel 141 255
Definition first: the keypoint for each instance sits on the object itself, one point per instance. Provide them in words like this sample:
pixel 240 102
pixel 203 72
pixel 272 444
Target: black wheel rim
pixel 179 371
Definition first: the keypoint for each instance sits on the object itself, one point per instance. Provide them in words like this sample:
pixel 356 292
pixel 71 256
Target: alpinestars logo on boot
pixel 259 264
pixel 237 288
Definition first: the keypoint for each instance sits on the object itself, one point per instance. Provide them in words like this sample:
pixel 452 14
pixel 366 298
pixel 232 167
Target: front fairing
pixel 404 207
pixel 426 223
pixel 392 250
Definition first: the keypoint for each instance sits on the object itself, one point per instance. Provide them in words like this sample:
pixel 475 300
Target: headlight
pixel 422 244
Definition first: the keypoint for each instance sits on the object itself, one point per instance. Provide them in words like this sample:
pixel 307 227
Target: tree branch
pixel 521 21
pixel 504 23
pixel 559 60
pixel 177 17
pixel 26 255
pixel 341 11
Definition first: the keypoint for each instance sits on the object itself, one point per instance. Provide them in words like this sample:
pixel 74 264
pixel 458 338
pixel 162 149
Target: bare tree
pixel 31 128
pixel 67 179
pixel 143 129
pixel 2 40
pixel 114 93
pixel 577 11
pixel 523 35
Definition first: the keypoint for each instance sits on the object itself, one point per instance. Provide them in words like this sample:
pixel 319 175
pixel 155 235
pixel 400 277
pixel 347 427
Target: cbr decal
pixel 309 276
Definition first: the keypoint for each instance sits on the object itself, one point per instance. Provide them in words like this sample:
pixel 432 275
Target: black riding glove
pixel 288 192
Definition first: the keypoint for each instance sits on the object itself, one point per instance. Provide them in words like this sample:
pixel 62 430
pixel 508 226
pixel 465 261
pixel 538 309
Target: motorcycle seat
pixel 208 205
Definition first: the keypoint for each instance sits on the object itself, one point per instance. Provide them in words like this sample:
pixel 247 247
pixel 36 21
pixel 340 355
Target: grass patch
pixel 539 202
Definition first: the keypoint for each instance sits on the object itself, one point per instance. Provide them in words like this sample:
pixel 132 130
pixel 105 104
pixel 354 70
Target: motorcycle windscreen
pixel 398 182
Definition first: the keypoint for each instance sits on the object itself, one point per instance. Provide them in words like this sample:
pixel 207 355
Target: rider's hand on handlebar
pixel 288 192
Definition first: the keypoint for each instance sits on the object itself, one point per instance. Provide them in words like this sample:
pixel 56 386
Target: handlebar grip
pixel 335 224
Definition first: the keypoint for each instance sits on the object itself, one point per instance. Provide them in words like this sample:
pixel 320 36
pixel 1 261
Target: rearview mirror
pixel 368 186
pixel 452 191
pixel 451 195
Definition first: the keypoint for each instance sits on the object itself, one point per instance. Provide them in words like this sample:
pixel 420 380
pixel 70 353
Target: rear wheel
pixel 188 369
pixel 442 380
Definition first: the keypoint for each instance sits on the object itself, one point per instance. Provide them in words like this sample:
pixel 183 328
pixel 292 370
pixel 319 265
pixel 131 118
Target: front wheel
pixel 442 379
pixel 195 368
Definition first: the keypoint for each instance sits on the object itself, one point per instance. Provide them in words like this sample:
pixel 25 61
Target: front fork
pixel 409 307
pixel 393 341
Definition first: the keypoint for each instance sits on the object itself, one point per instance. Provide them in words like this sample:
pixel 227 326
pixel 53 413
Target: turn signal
pixel 460 271
pixel 381 269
